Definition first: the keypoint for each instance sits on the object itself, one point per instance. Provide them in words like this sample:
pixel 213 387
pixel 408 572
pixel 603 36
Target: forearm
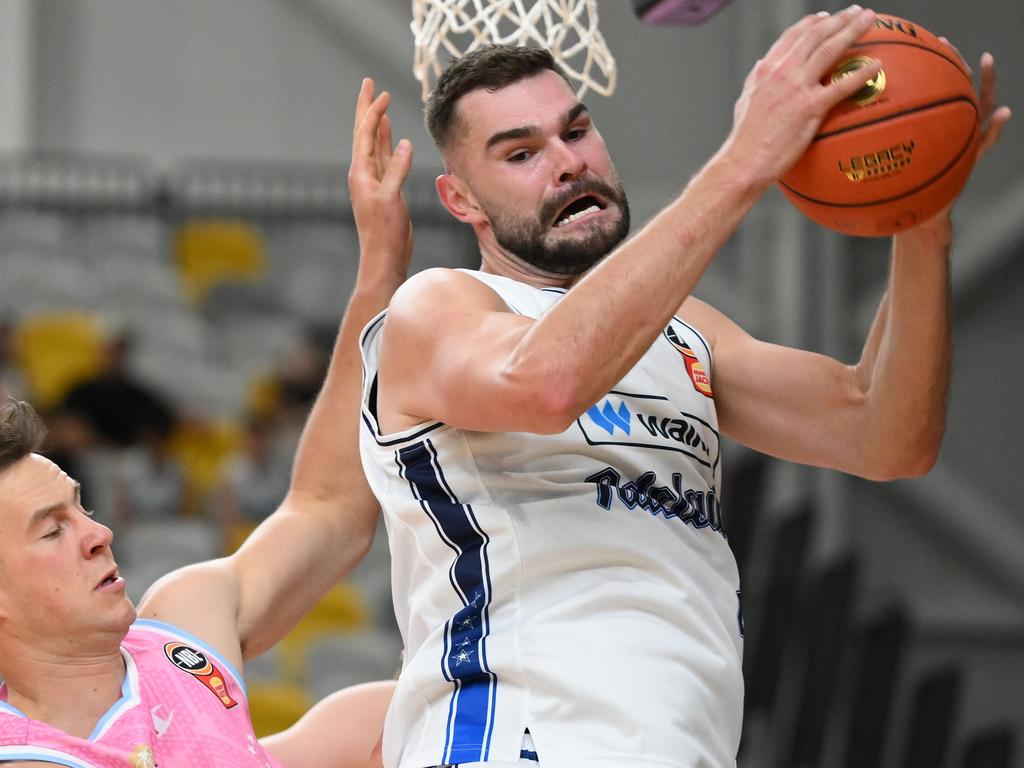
pixel 329 515
pixel 625 302
pixel 906 361
pixel 327 464
pixel 340 730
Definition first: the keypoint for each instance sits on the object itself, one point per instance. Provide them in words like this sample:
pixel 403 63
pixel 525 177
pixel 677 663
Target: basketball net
pixel 445 29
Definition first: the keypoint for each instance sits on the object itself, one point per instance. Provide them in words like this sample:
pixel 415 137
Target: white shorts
pixel 527 757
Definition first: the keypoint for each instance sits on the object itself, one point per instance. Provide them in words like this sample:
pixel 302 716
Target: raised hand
pixel 784 99
pixel 375 180
pixel 992 120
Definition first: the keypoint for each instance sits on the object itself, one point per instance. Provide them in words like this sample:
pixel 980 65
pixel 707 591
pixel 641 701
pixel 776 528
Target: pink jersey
pixel 181 706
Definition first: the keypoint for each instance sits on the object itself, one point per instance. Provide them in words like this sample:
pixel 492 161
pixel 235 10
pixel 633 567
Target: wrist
pixel 731 163
pixel 934 235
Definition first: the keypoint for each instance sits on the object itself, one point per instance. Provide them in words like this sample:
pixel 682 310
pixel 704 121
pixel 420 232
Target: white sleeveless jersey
pixel 577 585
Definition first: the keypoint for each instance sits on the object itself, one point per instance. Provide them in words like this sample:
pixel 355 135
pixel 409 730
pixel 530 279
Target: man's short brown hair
pixel 21 431
pixel 491 67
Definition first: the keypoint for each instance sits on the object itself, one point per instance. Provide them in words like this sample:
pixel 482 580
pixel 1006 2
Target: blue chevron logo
pixel 607 418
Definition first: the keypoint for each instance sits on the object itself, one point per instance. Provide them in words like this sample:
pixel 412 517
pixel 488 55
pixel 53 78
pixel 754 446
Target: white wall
pixel 230 78
pixel 277 78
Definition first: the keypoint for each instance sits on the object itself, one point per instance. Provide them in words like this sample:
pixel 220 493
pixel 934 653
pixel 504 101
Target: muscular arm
pixel 452 352
pixel 244 603
pixel 881 418
pixel 341 731
pixel 460 356
pixel 319 532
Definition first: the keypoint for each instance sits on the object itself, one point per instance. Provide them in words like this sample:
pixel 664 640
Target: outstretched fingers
pixel 383 149
pixel 816 42
pixel 397 170
pixel 993 119
pixel 826 43
pixel 365 145
pixel 851 82
pixel 960 56
pixel 363 102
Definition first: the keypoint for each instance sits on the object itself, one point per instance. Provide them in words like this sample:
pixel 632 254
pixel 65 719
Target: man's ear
pixel 458 199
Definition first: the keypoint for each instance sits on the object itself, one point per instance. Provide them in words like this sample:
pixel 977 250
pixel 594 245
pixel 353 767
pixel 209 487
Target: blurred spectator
pixel 12 382
pixel 253 482
pixel 148 482
pixel 298 381
pixel 117 407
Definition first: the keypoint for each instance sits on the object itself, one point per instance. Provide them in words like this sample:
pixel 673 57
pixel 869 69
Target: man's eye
pixel 54 533
pixel 576 134
pixel 518 157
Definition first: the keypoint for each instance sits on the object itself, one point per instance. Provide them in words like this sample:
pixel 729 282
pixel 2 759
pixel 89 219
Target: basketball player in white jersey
pixel 90 680
pixel 543 434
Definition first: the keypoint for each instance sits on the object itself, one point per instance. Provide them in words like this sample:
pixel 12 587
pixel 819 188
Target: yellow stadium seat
pixel 276 706
pixel 263 395
pixel 201 448
pixel 236 536
pixel 56 351
pixel 213 251
pixel 343 609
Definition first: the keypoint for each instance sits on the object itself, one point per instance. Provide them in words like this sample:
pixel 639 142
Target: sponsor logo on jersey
pixel 697 508
pixel 651 422
pixel 196 663
pixel 694 368
pixel 608 418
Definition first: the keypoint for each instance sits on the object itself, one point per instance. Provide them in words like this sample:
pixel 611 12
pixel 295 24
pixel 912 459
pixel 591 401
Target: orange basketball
pixel 899 149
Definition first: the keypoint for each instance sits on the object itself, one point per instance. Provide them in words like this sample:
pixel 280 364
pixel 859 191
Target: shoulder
pixel 703 317
pixel 201 599
pixel 719 331
pixel 441 290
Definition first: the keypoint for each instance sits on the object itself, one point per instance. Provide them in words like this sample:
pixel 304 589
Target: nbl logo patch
pixel 196 663
pixel 694 369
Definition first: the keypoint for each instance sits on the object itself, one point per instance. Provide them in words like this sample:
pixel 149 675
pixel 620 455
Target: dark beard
pixel 526 238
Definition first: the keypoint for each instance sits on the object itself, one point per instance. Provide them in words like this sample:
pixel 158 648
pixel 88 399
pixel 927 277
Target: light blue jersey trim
pixel 180 634
pixel 129 697
pixel 13 754
pixel 11 709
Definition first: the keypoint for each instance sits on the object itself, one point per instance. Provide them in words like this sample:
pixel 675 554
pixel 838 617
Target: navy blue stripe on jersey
pixel 370 418
pixel 400 438
pixel 464 662
pixel 371 326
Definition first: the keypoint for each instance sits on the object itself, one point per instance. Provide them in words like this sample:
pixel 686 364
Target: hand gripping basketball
pixel 901 148
pixel 787 94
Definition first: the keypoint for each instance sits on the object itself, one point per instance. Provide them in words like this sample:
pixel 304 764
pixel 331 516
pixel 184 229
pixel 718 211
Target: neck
pixel 496 260
pixel 69 692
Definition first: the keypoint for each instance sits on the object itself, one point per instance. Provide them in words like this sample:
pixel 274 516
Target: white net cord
pixel 446 29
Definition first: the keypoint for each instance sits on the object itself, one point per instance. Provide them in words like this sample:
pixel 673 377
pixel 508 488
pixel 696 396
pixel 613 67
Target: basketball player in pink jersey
pixel 93 681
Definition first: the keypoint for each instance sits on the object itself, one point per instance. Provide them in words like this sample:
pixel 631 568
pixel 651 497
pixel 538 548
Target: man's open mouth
pixel 578 208
pixel 110 578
